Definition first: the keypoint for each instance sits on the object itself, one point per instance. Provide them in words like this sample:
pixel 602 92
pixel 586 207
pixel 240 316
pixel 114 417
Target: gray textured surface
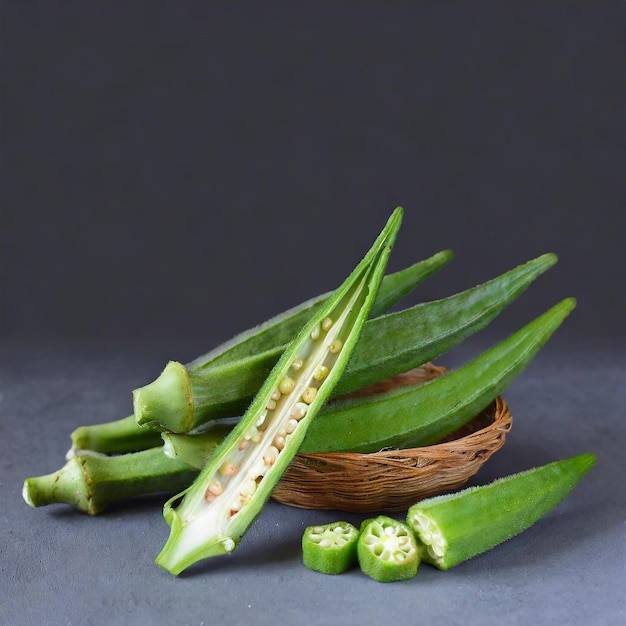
pixel 62 567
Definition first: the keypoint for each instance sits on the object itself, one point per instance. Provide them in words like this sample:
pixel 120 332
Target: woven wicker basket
pixel 393 480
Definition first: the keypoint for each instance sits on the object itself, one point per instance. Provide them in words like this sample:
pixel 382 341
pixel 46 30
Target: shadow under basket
pixel 393 480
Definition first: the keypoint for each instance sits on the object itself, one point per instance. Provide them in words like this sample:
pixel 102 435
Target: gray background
pixel 173 174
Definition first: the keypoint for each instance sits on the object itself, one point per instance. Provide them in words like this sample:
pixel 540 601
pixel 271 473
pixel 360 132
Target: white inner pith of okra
pixel 234 484
pixel 337 536
pixel 430 535
pixel 389 543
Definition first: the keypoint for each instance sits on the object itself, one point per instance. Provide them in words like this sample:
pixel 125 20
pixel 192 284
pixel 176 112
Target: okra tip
pixel 167 400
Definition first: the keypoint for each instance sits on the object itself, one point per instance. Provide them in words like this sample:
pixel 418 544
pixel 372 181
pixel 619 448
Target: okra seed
pixel 270 456
pixel 271 405
pixel 215 488
pixel 276 395
pixel 247 488
pixel 320 373
pixel 315 333
pixel 291 426
pixel 286 385
pixel 228 469
pixel 299 411
pixel 309 394
pixel 297 364
pixel 243 444
pixel 335 346
pixel 279 442
pixel 327 323
pixel 208 496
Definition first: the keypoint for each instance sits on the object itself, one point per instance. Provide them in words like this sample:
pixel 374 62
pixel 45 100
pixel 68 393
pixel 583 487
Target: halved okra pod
pixel 330 548
pixel 387 550
pixel 181 400
pixel 251 354
pixel 455 527
pixel 217 509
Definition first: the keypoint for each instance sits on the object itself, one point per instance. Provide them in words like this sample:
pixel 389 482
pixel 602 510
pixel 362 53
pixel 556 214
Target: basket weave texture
pixel 393 480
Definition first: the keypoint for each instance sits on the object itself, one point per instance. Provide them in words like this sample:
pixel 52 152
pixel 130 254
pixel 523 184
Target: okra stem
pixel 90 482
pixel 181 400
pixel 268 339
pixel 455 527
pixel 425 414
pixel 231 490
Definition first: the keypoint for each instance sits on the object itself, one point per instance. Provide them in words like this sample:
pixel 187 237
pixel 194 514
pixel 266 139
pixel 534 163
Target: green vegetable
pixel 90 482
pixel 218 507
pixel 455 527
pixel 363 424
pixel 424 414
pixel 181 400
pixel 330 548
pixel 387 550
pixel 260 346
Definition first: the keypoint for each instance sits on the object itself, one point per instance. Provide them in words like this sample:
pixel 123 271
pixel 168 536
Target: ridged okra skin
pixel 231 490
pixel 455 527
pixel 330 548
pixel 257 347
pixel 387 550
pixel 181 399
pixel 424 414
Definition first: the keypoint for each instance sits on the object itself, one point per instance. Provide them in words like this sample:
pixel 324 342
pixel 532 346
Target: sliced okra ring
pixel 455 527
pixel 330 548
pixel 216 510
pixel 387 550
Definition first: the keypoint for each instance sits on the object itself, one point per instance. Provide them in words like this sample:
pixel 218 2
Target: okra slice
pixel 181 400
pixel 387 550
pixel 330 548
pixel 455 527
pixel 424 414
pixel 216 510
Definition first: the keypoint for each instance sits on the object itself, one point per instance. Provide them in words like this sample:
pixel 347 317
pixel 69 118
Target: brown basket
pixel 393 480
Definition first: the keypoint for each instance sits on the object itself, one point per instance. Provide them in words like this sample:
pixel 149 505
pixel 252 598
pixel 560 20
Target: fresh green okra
pixel 182 400
pixel 421 415
pixel 267 340
pixel 387 550
pixel 414 415
pixel 330 548
pixel 231 490
pixel 91 481
pixel 455 527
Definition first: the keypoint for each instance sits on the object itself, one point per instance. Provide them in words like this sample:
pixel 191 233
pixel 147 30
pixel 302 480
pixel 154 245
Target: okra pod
pixel 216 510
pixel 387 550
pixel 455 527
pixel 330 548
pixel 181 400
pixel 268 340
pixel 422 415
pixel 90 482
